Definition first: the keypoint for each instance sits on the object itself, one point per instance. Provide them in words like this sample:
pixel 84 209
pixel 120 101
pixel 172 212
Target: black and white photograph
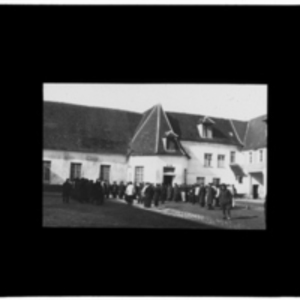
pixel 155 155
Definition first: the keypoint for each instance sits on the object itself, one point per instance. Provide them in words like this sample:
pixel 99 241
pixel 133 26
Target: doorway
pixel 168 179
pixel 255 191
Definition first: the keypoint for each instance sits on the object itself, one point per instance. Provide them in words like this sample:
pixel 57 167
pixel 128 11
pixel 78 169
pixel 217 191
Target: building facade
pixel 155 147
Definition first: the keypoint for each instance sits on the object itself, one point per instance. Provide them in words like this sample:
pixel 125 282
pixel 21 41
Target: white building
pixel 156 147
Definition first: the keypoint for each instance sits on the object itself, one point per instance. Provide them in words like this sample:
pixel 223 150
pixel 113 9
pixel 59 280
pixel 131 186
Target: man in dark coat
pixel 148 195
pixel 176 193
pixel 66 191
pixel 121 191
pixel 225 201
pixel 140 194
pixel 157 194
pixel 196 193
pixel 114 190
pixel 210 196
pixel 99 197
pixel 169 192
pixel 107 189
pixel 202 195
pixel 163 195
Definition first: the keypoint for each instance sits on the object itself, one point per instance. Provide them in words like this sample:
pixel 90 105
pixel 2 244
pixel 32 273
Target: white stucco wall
pixel 196 166
pixel 61 164
pixel 153 167
pixel 257 171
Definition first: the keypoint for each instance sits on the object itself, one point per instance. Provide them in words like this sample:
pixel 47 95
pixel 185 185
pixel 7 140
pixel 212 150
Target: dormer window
pixel 170 142
pixel 207 131
pixel 205 127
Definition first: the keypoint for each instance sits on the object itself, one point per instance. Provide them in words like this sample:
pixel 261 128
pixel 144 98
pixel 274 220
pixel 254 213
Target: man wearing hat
pixel 226 201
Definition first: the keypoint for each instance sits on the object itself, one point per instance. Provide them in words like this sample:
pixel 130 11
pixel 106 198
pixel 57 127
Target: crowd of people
pixel 209 196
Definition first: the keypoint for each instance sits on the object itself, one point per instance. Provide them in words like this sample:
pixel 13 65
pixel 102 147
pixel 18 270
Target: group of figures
pixel 88 191
pixel 209 196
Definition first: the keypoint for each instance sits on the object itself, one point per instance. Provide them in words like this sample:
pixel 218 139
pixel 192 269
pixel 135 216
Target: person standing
pixel 210 196
pixel 98 193
pixel 183 191
pixel 169 192
pixel 114 190
pixel 157 194
pixel 121 190
pixel 163 196
pixel 141 195
pixel 148 195
pixel 196 193
pixel 176 193
pixel 66 191
pixel 217 196
pixel 226 202
pixel 129 193
pixel 107 189
pixel 202 195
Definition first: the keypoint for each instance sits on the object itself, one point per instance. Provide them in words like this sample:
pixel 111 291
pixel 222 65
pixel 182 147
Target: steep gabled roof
pixel 256 134
pixel 185 125
pixel 241 129
pixel 148 138
pixel 87 129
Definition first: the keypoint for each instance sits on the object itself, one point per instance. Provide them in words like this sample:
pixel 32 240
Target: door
pixel 255 191
pixel 168 179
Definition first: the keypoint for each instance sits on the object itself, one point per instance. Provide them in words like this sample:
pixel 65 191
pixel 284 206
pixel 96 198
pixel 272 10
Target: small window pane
pixel 139 174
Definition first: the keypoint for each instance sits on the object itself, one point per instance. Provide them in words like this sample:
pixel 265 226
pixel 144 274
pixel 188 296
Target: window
pixel 250 157
pixel 46 171
pixel 221 161
pixel 207 160
pixel 261 155
pixel 75 171
pixel 139 174
pixel 207 131
pixel 232 157
pixel 105 172
pixel 170 144
pixel 239 179
pixel 216 181
pixel 200 180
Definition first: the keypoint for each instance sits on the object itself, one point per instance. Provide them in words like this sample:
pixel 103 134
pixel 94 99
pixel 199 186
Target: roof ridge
pixel 91 107
pixel 142 125
pixel 235 131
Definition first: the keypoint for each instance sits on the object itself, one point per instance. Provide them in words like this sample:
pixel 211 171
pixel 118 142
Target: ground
pixel 115 213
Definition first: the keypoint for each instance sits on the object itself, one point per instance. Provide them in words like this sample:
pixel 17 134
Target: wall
pixel 196 163
pixel 153 167
pixel 257 171
pixel 61 162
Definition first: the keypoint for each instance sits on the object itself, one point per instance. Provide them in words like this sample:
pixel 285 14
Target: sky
pixel 240 102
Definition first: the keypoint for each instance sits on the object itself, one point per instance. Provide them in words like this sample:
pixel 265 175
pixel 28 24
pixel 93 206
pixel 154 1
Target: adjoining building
pixel 156 147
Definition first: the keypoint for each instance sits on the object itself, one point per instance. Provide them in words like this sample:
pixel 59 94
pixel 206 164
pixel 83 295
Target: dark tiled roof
pixel 91 129
pixel 241 128
pixel 87 129
pixel 185 125
pixel 148 138
pixel 256 134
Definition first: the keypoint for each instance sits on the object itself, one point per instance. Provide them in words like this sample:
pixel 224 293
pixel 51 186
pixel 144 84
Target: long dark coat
pixel 148 196
pixel 98 193
pixel 169 192
pixel 202 194
pixel 210 195
pixel 157 195
pixel 225 198
pixel 66 189
pixel 122 188
pixel 176 194
pixel 163 195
